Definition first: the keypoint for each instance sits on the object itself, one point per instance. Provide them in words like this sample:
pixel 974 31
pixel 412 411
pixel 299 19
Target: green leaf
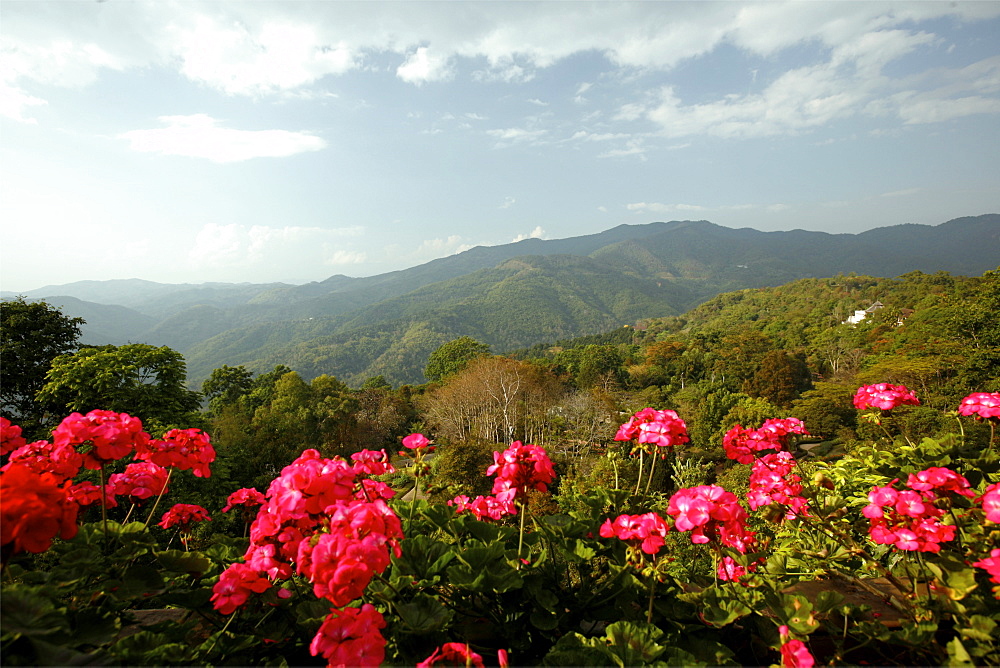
pixel 27 611
pixel 574 649
pixel 140 580
pixel 957 655
pixel 981 628
pixel 424 614
pixel 192 563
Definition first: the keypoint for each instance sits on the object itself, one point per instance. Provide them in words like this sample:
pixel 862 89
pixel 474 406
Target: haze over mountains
pixel 509 296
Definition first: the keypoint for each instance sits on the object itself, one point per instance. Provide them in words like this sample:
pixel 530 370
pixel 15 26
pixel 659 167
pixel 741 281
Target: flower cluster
pixel 35 510
pixel 182 449
pixel 139 481
pixel 742 444
pixel 983 405
pixel 372 462
pixel 659 428
pixel 772 481
pixel 486 507
pixel 87 493
pixel 235 586
pixel 351 637
pixel 247 497
pixel 99 437
pixel 183 515
pixel 321 520
pixel 910 519
pixel 45 457
pixel 453 654
pixel 710 512
pixel 645 532
pixel 521 467
pixel 10 437
pixel 884 397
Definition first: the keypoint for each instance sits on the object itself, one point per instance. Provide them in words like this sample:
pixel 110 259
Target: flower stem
pixel 651 469
pixel 520 534
pixel 638 480
pixel 104 503
pixel 152 510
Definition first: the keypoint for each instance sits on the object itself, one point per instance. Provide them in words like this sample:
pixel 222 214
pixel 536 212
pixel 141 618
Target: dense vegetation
pixel 583 548
pixel 507 297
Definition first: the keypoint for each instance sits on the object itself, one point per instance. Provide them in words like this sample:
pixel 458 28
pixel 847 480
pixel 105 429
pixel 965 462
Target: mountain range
pixel 509 296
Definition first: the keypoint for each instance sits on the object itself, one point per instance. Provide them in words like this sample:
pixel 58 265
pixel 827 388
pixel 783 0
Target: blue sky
pixel 290 141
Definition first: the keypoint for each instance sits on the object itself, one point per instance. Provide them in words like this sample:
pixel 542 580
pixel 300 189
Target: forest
pixel 736 362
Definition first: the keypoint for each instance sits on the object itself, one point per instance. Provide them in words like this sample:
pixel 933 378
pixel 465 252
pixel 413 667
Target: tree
pixel 493 399
pixel 139 379
pixel 32 334
pixel 225 386
pixel 454 356
pixel 780 378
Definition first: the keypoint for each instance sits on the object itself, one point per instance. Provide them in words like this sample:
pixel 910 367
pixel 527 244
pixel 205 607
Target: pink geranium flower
pixel 884 397
pixel 982 405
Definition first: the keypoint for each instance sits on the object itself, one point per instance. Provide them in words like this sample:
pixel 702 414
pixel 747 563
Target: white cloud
pixel 537 233
pixel 508 202
pixel 273 56
pixel 509 136
pixel 342 257
pixel 424 65
pixel 199 136
pixel 260 247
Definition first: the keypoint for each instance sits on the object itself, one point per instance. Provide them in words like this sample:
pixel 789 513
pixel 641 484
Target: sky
pixel 186 142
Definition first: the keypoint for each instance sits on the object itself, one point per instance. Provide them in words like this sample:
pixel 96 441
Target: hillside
pixel 510 296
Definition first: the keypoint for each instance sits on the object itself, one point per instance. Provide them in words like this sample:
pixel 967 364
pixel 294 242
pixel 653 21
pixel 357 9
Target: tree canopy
pixel 32 334
pixel 139 379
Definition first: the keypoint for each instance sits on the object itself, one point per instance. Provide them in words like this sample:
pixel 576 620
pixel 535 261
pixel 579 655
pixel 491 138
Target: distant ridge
pixel 510 296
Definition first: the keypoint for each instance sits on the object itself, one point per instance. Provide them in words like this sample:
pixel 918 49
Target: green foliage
pixel 453 356
pixel 32 334
pixel 141 380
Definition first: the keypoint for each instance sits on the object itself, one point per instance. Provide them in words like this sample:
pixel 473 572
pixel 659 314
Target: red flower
pixel 794 653
pixel 351 637
pixel 44 457
pixel 100 436
pixel 486 507
pixel 181 449
pixel 234 587
pixel 35 509
pixel 10 437
pixel 772 481
pixel 415 441
pixel 884 396
pixel 983 405
pixel 660 428
pixel 247 497
pixel 709 511
pixel 992 566
pixel 645 531
pixel 372 462
pixel 87 493
pixel 910 519
pixel 141 480
pixel 741 444
pixel 521 467
pixel 991 502
pixel 183 515
pixel 453 654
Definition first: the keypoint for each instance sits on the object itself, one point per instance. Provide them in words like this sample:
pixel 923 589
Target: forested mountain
pixel 510 296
